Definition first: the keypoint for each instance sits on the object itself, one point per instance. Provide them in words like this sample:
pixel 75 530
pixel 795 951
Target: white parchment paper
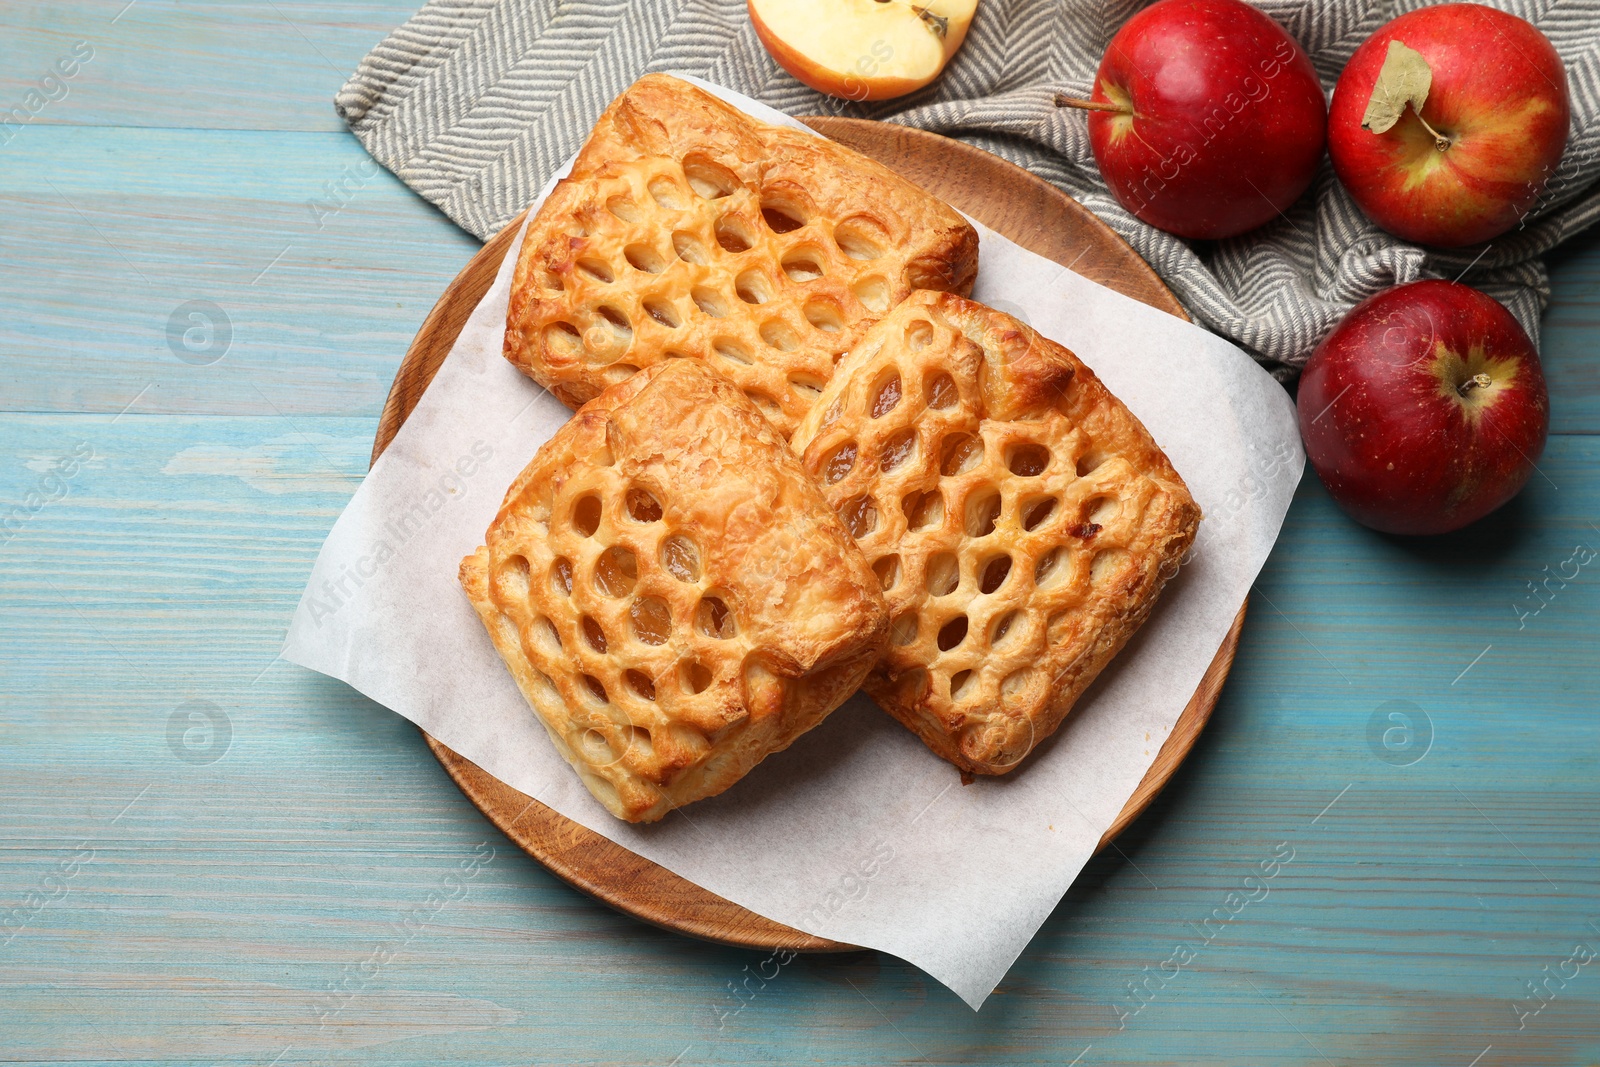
pixel 857 832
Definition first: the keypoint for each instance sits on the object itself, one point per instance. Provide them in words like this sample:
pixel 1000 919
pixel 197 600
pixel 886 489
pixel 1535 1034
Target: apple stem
pixel 1477 381
pixel 1088 105
pixel 1440 141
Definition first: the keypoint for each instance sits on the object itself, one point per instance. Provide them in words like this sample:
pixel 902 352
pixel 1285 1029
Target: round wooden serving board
pixel 1004 197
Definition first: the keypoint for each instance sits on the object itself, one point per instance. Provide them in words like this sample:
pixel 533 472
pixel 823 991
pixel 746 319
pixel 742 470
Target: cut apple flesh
pixel 848 47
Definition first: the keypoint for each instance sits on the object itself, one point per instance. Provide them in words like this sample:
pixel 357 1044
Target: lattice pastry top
pixel 688 228
pixel 672 593
pixel 1020 519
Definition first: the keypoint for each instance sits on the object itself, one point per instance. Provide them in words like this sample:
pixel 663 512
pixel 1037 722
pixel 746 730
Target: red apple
pixel 1207 118
pixel 1490 135
pixel 1425 409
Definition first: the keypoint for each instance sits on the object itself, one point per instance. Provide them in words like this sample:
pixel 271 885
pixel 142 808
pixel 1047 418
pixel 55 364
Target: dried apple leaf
pixel 1404 78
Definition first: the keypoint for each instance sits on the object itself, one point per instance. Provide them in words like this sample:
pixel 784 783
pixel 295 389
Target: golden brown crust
pixel 1021 519
pixel 675 235
pixel 672 593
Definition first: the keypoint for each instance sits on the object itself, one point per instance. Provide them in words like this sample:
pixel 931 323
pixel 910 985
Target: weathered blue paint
pixel 212 857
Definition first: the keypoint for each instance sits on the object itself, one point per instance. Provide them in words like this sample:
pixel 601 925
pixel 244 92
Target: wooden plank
pixel 111 233
pixel 1567 341
pixel 221 909
pixel 224 64
pixel 215 912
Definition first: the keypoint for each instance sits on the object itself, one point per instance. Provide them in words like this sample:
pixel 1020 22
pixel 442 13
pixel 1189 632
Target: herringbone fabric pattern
pixel 474 103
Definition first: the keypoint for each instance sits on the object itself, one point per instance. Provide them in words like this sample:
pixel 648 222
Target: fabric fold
pixel 475 103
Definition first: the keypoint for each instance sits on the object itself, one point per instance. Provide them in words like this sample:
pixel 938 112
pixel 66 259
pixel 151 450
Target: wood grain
pixel 222 907
pixel 998 194
pixel 108 231
pixel 276 65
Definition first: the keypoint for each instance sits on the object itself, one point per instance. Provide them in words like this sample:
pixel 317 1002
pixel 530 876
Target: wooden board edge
pixel 727 924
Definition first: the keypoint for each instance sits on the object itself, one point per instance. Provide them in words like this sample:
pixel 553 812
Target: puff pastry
pixel 1020 519
pixel 688 228
pixel 672 593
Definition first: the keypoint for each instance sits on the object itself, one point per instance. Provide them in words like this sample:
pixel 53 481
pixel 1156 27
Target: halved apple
pixel 863 49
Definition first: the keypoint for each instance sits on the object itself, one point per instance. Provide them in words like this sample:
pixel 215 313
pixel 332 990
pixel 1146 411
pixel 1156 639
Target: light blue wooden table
pixel 207 856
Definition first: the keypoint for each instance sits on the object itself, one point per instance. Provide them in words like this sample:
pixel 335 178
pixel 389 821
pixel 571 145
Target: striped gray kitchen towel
pixel 473 103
